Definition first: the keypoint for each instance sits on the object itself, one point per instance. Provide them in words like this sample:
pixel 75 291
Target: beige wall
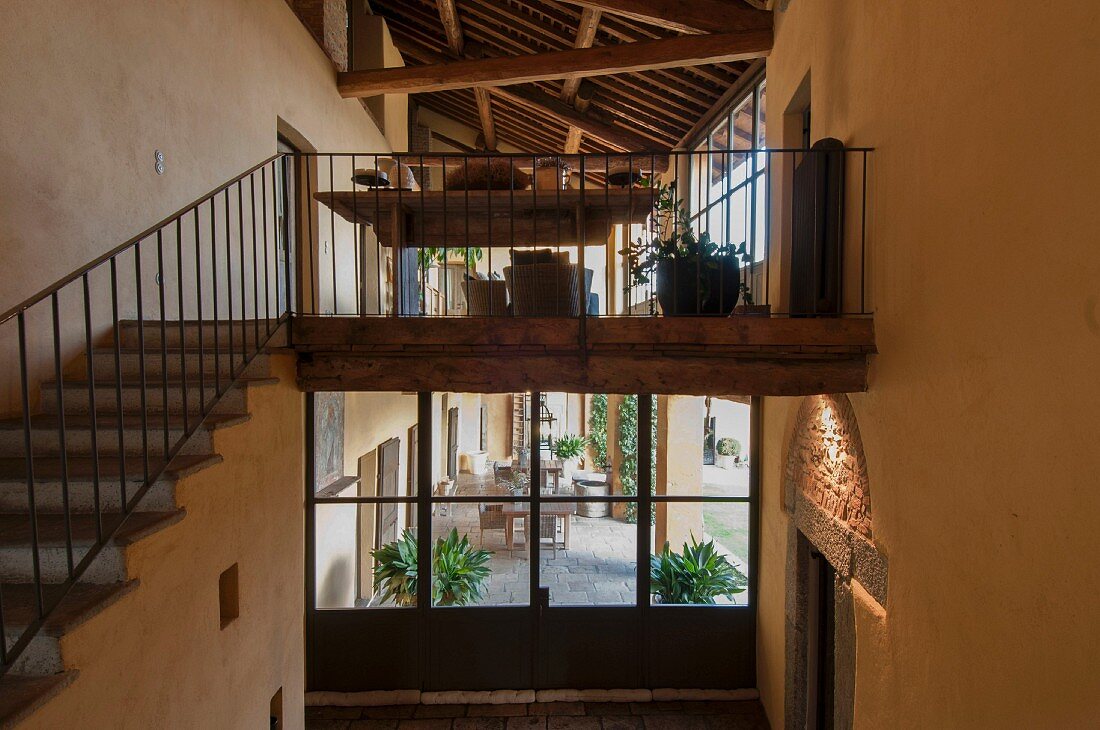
pixel 159 657
pixel 92 89
pixel 978 425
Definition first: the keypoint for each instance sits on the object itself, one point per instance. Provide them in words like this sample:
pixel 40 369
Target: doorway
pixel 821 644
pixel 564 604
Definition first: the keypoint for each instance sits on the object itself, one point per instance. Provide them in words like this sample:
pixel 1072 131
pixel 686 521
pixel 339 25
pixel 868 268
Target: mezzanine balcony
pixel 723 271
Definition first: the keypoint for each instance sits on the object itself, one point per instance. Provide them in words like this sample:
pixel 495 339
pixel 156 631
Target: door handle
pixel 542 597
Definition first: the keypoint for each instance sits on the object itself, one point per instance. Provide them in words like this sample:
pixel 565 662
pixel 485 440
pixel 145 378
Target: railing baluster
pixel 61 433
pixel 119 419
pixel 92 421
pixel 180 312
pixel 163 345
pixel 214 297
pixel 229 288
pixel 240 247
pixel 141 370
pixel 32 507
pixel 267 260
pixel 199 315
pixel 332 238
pixel 255 283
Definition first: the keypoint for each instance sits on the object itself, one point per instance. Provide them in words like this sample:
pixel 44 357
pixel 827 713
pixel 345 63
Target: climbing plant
pixel 597 429
pixel 628 442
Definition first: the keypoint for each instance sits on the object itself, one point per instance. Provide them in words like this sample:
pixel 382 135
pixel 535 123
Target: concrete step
pixel 49 495
pixel 42 655
pixel 243 334
pixel 21 695
pixel 75 394
pixel 82 468
pixel 46 440
pixel 16 554
pixel 175 361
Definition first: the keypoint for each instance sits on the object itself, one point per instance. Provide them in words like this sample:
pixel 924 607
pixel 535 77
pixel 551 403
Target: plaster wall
pixel 985 282
pixel 159 657
pixel 91 90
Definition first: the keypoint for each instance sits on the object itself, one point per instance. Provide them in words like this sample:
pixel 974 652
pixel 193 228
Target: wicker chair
pixel 548 530
pixel 490 517
pixel 485 297
pixel 546 290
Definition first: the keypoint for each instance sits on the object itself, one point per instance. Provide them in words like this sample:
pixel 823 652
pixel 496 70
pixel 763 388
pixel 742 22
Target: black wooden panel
pixel 481 648
pixel 705 647
pixel 817 230
pixel 356 650
pixel 596 648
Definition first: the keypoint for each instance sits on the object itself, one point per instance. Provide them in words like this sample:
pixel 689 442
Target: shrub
pixel 458 570
pixel 697 575
pixel 569 446
pixel 729 447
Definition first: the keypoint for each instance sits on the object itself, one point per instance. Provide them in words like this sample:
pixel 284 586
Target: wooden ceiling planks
pixel 660 105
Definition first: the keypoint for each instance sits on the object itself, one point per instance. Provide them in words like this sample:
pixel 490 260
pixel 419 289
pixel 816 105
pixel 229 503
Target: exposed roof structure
pixel 642 109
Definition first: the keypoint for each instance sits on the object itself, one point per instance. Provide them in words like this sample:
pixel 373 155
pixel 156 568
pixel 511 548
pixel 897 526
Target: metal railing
pixel 131 352
pixel 496 234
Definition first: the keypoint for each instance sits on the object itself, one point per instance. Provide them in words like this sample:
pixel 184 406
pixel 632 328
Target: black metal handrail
pixel 422 241
pixel 215 276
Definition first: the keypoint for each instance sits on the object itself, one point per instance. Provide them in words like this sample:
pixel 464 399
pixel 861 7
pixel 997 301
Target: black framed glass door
pixel 566 596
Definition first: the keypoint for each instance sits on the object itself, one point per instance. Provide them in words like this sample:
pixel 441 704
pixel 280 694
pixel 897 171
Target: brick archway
pixel 828 496
pixel 825 461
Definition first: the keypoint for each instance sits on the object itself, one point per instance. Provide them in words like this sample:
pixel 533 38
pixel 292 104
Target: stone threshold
pixel 378 698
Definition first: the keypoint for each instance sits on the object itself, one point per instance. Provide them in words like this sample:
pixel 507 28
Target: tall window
pixel 728 174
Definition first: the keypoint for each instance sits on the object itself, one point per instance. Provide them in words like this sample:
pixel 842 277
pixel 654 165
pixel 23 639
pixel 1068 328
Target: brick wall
pixel 327 22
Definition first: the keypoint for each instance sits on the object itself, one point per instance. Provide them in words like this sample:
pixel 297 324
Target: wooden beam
pixel 600 61
pixel 707 16
pixel 586 34
pixel 485 113
pixel 618 373
pixel 739 87
pixel 451 27
pixel 534 98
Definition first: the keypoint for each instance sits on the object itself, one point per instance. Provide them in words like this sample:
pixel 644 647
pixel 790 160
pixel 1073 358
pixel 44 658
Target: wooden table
pixel 496 218
pixel 553 467
pixel 514 510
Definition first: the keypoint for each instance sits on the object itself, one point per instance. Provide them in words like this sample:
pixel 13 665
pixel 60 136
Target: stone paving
pixel 745 715
pixel 600 567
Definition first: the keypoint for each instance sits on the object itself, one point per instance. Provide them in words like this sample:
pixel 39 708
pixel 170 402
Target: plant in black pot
pixel 694 274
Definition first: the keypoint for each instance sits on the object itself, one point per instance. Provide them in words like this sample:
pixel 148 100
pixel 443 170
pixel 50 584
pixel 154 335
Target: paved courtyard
pixel 600 566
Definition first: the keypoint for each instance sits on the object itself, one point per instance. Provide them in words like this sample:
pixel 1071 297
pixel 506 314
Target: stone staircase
pixel 40 671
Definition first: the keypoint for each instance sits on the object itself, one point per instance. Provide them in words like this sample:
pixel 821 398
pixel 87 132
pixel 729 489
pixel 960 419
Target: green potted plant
pixel 569 448
pixel 728 450
pixel 458 570
pixel 697 575
pixel 431 256
pixel 694 274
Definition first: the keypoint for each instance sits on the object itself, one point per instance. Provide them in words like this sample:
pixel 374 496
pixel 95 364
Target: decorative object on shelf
pixel 569 449
pixel 695 275
pixel 551 173
pixel 729 452
pixel 458 570
pixel 486 173
pixel 750 308
pixel 697 575
pixel 370 177
pixel 623 173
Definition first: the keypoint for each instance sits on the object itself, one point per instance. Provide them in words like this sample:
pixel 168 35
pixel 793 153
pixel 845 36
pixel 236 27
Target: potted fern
pixel 569 449
pixel 458 570
pixel 697 575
